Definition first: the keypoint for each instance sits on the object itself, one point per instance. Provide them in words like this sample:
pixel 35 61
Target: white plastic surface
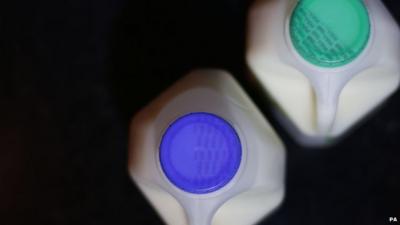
pixel 258 186
pixel 319 104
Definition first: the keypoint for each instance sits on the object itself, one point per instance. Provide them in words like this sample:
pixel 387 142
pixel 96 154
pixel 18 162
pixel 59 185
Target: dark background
pixel 72 73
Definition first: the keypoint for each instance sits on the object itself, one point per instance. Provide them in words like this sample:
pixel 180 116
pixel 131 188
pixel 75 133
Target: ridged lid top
pixel 200 152
pixel 330 33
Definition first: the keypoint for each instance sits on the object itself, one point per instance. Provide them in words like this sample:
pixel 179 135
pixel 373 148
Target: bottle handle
pixel 327 91
pixel 199 212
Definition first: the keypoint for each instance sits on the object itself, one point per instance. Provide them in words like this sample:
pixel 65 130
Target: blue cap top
pixel 200 152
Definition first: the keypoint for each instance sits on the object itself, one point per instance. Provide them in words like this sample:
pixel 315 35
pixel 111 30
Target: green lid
pixel 330 33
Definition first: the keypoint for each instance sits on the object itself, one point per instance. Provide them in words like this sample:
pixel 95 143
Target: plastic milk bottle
pixel 325 63
pixel 203 154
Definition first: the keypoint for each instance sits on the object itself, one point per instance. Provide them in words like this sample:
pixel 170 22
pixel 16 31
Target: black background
pixel 72 73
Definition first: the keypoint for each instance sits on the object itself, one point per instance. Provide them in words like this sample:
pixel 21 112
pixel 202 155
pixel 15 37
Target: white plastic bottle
pixel 203 154
pixel 326 64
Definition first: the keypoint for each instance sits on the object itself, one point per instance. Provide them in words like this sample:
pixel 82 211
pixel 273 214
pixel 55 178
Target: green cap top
pixel 330 33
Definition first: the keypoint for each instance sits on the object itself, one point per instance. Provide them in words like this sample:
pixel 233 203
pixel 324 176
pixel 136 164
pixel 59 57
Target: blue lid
pixel 200 152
